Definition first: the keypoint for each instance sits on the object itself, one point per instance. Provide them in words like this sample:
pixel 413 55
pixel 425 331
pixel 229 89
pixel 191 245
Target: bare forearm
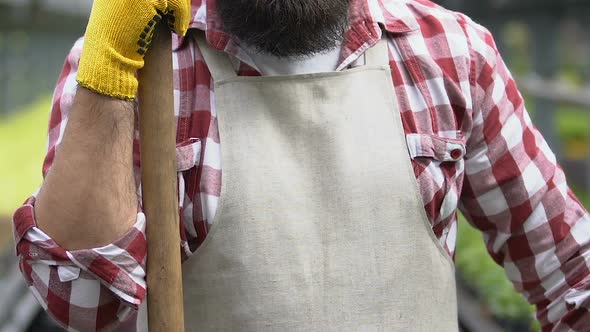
pixel 88 198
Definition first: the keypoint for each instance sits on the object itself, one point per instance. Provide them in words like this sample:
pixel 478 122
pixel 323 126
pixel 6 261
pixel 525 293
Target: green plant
pixel 22 147
pixel 487 278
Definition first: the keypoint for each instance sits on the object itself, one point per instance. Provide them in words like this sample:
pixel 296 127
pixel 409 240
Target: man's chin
pixel 286 28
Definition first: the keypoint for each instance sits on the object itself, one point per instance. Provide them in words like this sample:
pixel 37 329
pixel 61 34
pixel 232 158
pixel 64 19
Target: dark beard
pixel 286 28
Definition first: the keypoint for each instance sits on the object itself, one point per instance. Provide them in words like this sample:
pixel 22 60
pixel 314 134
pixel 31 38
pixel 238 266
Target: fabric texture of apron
pixel 320 224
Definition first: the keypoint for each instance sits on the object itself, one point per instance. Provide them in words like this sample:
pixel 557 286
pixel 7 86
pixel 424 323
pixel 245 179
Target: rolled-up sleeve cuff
pixel 119 266
pixel 579 295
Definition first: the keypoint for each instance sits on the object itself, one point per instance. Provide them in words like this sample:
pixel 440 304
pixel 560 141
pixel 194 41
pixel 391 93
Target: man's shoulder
pixel 459 30
pixel 425 12
pixel 74 54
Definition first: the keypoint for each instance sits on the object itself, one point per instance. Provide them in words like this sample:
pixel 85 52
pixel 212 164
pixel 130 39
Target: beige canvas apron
pixel 320 224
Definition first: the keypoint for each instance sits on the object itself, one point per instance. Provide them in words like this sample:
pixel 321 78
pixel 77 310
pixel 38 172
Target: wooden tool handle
pixel 159 185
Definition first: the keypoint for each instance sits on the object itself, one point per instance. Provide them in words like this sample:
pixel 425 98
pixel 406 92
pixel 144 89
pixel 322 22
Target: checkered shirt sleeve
pixel 517 195
pixel 85 290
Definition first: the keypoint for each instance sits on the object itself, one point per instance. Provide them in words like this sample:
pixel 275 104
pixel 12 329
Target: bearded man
pixel 324 149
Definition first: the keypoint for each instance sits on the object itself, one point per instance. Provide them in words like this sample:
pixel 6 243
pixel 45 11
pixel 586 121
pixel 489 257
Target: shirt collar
pixel 365 16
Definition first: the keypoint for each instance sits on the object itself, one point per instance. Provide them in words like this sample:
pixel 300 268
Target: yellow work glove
pixel 118 34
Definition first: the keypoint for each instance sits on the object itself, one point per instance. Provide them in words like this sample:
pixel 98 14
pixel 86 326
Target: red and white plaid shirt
pixel 470 139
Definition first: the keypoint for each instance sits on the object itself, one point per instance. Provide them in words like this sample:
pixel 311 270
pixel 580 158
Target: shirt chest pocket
pixel 438 165
pixel 188 156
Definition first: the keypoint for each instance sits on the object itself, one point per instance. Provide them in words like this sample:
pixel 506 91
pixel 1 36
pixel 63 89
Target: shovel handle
pixel 159 185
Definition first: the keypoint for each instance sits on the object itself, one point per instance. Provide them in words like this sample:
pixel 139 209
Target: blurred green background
pixel 546 44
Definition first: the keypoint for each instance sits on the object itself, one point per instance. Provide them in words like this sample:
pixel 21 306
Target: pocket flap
pixel 188 154
pixel 436 147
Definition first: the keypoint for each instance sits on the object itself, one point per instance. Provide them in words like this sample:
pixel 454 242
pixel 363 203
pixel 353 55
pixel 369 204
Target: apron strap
pixel 218 62
pixel 378 55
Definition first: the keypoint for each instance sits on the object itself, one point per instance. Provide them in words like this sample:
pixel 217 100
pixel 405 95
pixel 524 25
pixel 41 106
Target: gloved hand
pixel 118 34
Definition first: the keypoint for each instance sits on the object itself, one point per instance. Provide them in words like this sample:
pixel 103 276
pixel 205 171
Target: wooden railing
pixel 555 91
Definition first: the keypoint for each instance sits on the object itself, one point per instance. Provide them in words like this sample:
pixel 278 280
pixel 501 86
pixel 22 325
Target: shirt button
pixel 456 154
